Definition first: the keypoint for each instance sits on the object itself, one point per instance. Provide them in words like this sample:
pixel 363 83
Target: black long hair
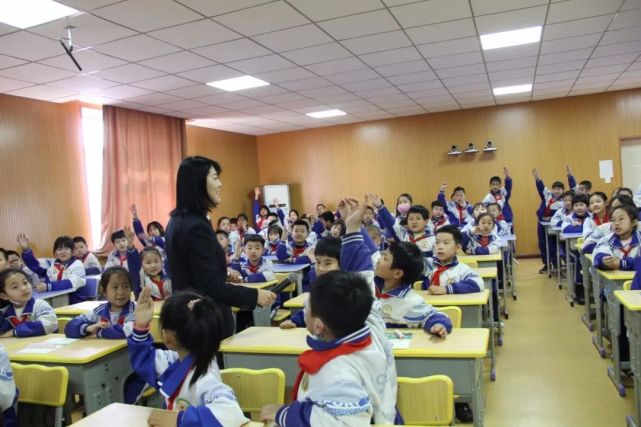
pixel 198 325
pixel 191 185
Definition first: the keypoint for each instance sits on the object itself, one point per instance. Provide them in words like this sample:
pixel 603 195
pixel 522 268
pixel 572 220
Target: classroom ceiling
pixel 373 59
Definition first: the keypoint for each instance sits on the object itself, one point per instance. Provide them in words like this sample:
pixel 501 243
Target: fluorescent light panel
pixel 507 90
pixel 29 13
pixel 511 38
pixel 326 113
pixel 238 83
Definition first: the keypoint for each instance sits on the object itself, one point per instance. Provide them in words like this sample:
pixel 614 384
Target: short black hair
pixel 111 271
pixel 566 194
pixel 340 223
pixel 600 194
pixel 8 252
pixel 558 184
pixel 438 203
pixel 329 247
pixel 369 208
pixel 477 205
pixel 118 234
pixel 483 215
pixel 4 275
pixel 631 211
pixel 459 188
pixel 275 229
pixel 233 221
pixel 273 215
pixel 301 222
pixel 494 204
pixel 157 225
pixel 264 207
pixel 295 211
pixel 408 258
pixel 221 219
pixel 79 239
pixel 243 216
pixel 191 185
pixel 222 232
pixel 626 190
pixel 254 238
pixel 623 199
pixel 453 231
pixel 587 184
pixel 328 216
pixel 342 301
pixel 150 250
pixel 495 179
pixel 580 198
pixel 419 209
pixel 63 242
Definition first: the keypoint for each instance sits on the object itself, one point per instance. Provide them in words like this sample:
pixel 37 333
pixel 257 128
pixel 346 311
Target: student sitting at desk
pixel 119 256
pixel 24 316
pixel 501 195
pixel 470 222
pixel 155 235
pixel 8 391
pixel 560 214
pixel 187 373
pixel 481 240
pixel 438 219
pixel 253 268
pixel 602 230
pixel 458 210
pixel 14 261
pixel 89 260
pixel 63 272
pixel 274 234
pixel 573 223
pixel 617 252
pixel 417 231
pixel 501 227
pixel 147 269
pixel 294 252
pixel 600 213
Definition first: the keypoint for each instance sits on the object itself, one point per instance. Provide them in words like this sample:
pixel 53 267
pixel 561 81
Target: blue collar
pixel 11 310
pixel 355 337
pixel 104 310
pixel 615 241
pixel 175 375
pixel 452 263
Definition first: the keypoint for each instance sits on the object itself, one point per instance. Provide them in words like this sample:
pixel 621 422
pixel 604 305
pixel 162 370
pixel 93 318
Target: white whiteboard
pixel 280 193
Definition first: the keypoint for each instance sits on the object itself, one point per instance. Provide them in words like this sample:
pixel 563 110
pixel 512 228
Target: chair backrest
pixel 426 401
pixel 472 263
pixel 41 385
pixel 255 388
pixel 627 285
pixel 454 313
pixel 418 285
pixel 62 322
pixel 90 290
pixel 580 240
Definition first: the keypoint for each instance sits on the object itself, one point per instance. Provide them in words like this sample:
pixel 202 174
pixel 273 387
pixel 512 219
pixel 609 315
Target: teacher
pixel 196 259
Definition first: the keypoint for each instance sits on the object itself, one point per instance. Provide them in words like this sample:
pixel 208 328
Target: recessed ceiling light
pixel 511 38
pixel 507 90
pixel 25 14
pixel 326 113
pixel 238 83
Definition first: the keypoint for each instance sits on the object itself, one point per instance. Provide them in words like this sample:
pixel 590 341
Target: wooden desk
pixel 293 268
pixel 97 367
pixel 482 260
pixel 570 240
pixel 631 301
pixel 459 356
pixel 55 298
pixel 590 309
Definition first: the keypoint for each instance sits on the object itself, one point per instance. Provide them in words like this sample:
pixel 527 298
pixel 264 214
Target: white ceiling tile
pixel 195 34
pixel 510 64
pixel 560 66
pixel 283 97
pixel 611 60
pixel 394 97
pixel 147 15
pixel 306 83
pixel 90 30
pixel 29 46
pixel 512 20
pixel 405 103
pixel 218 7
pixel 90 61
pixel 465 80
pixel 450 47
pixel 376 115
pixel 304 105
pixel 83 84
pixel 154 99
pixel 431 12
pixel 328 9
pixel 315 54
pixel 293 38
pixel 464 70
pixel 260 92
pixel 125 104
pixel 622 35
pixel 366 84
pixel 473 94
pixel 7 85
pixel 478 86
pixel 437 98
pixel 205 111
pixel 373 93
pixel 456 60
pixel 35 73
pixel 442 31
pixel 322 91
pixel 403 68
pixel 343 99
pixel 596 24
pixel 392 3
pixel 622 85
pixel 232 51
pixel 421 86
pixel 6 29
pixel 184 104
pixel 576 9
pixel 136 48
pixel 570 43
pixel 363 24
pixel 631 4
pixel 177 62
pixel 574 55
pixel 510 99
pixel 338 66
pixel 443 107
pixel 164 83
pixel 413 77
pixel 123 92
pixel 263 109
pixel 539 96
pixel 128 73
pixel 8 61
pixel 289 74
pixel 377 42
pixel 612 49
pixel 597 71
pixel 263 19
pixel 511 52
pixel 245 103
pixel 221 99
pixel 486 7
pixel 210 74
pixel 364 108
pixel 42 92
pixel 155 110
pixel 353 76
pixel 393 56
pixel 564 75
pixel 86 5
pixel 262 64
pixel 554 85
pixel 629 18
pixel 585 80
pixel 520 73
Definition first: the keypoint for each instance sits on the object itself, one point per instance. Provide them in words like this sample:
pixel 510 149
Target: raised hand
pixel 144 309
pixel 256 192
pixel 23 241
pixel 353 214
pixel 506 171
pixel 129 234
pixel 374 199
pixel 443 186
pixel 535 173
pixel 568 169
pixel 134 211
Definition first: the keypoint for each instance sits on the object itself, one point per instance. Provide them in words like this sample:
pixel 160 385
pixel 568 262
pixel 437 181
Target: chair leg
pixel 58 422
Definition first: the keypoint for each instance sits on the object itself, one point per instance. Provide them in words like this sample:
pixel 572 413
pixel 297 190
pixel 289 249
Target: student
pixel 335 385
pixel 243 229
pixel 501 195
pixel 550 203
pixel 112 320
pixel 444 274
pixel 4 259
pixel 89 260
pixel 187 373
pixel 8 391
pixel 272 219
pixel 274 234
pixel 625 191
pixel 64 272
pixel 458 210
pixel 155 235
pixel 253 268
pixel 14 261
pixel 294 252
pixel 292 217
pixel 418 231
pixel 617 252
pixel 24 316
pixel 557 218
pixel 501 227
pixel 470 222
pixel 147 270
pixel 368 217
pixel 318 227
pixel 605 229
pixel 223 239
pixel 327 219
pixel 260 211
pixel 119 256
pixel 481 240
pixel 438 219
pixel 224 224
pixel 573 223
pixel 338 229
pixel 599 209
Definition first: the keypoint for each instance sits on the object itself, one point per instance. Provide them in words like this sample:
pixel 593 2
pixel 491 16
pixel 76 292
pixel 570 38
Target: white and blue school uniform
pixel 502 228
pixel 595 236
pixel 271 246
pixel 157 242
pixel 262 272
pixel 293 253
pixel 502 198
pixel 559 215
pixel 35 318
pixel 91 263
pixel 476 244
pixel 424 240
pixel 456 277
pixel 58 275
pixel 437 222
pixel 207 403
pixel 160 288
pixel 458 215
pixel 115 259
pixel 568 225
pixel 8 391
pixel 592 222
pixel 613 246
pixel 121 323
pixel 235 236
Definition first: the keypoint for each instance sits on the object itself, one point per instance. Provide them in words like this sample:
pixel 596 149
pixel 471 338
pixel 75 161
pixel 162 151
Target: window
pixel 93 141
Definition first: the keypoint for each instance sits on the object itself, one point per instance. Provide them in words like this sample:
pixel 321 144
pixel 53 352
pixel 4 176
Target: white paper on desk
pixel 59 341
pixel 400 344
pixel 37 349
pixel 606 170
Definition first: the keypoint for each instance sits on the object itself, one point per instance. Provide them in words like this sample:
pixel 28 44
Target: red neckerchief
pixel 174 395
pixel 253 269
pixel 84 257
pixel 548 211
pixel 485 240
pixel 160 283
pixel 500 217
pixel 273 247
pixel 15 321
pixel 436 275
pixel 415 239
pixel 598 222
pixel 382 295
pixel 296 251
pixel 260 222
pixel 311 361
pixel 628 250
pixel 460 211
pixel 498 197
pixel 438 221
pixel 122 259
pixel 121 320
pixel 581 220
pixel 60 268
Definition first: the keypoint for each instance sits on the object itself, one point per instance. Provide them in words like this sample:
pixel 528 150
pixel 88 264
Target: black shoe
pixel 579 291
pixel 463 412
pixel 544 270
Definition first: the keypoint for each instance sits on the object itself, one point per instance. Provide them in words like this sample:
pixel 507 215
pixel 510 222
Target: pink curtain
pixel 141 156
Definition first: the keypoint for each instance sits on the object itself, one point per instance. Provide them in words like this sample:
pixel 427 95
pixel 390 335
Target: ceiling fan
pixel 69 49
